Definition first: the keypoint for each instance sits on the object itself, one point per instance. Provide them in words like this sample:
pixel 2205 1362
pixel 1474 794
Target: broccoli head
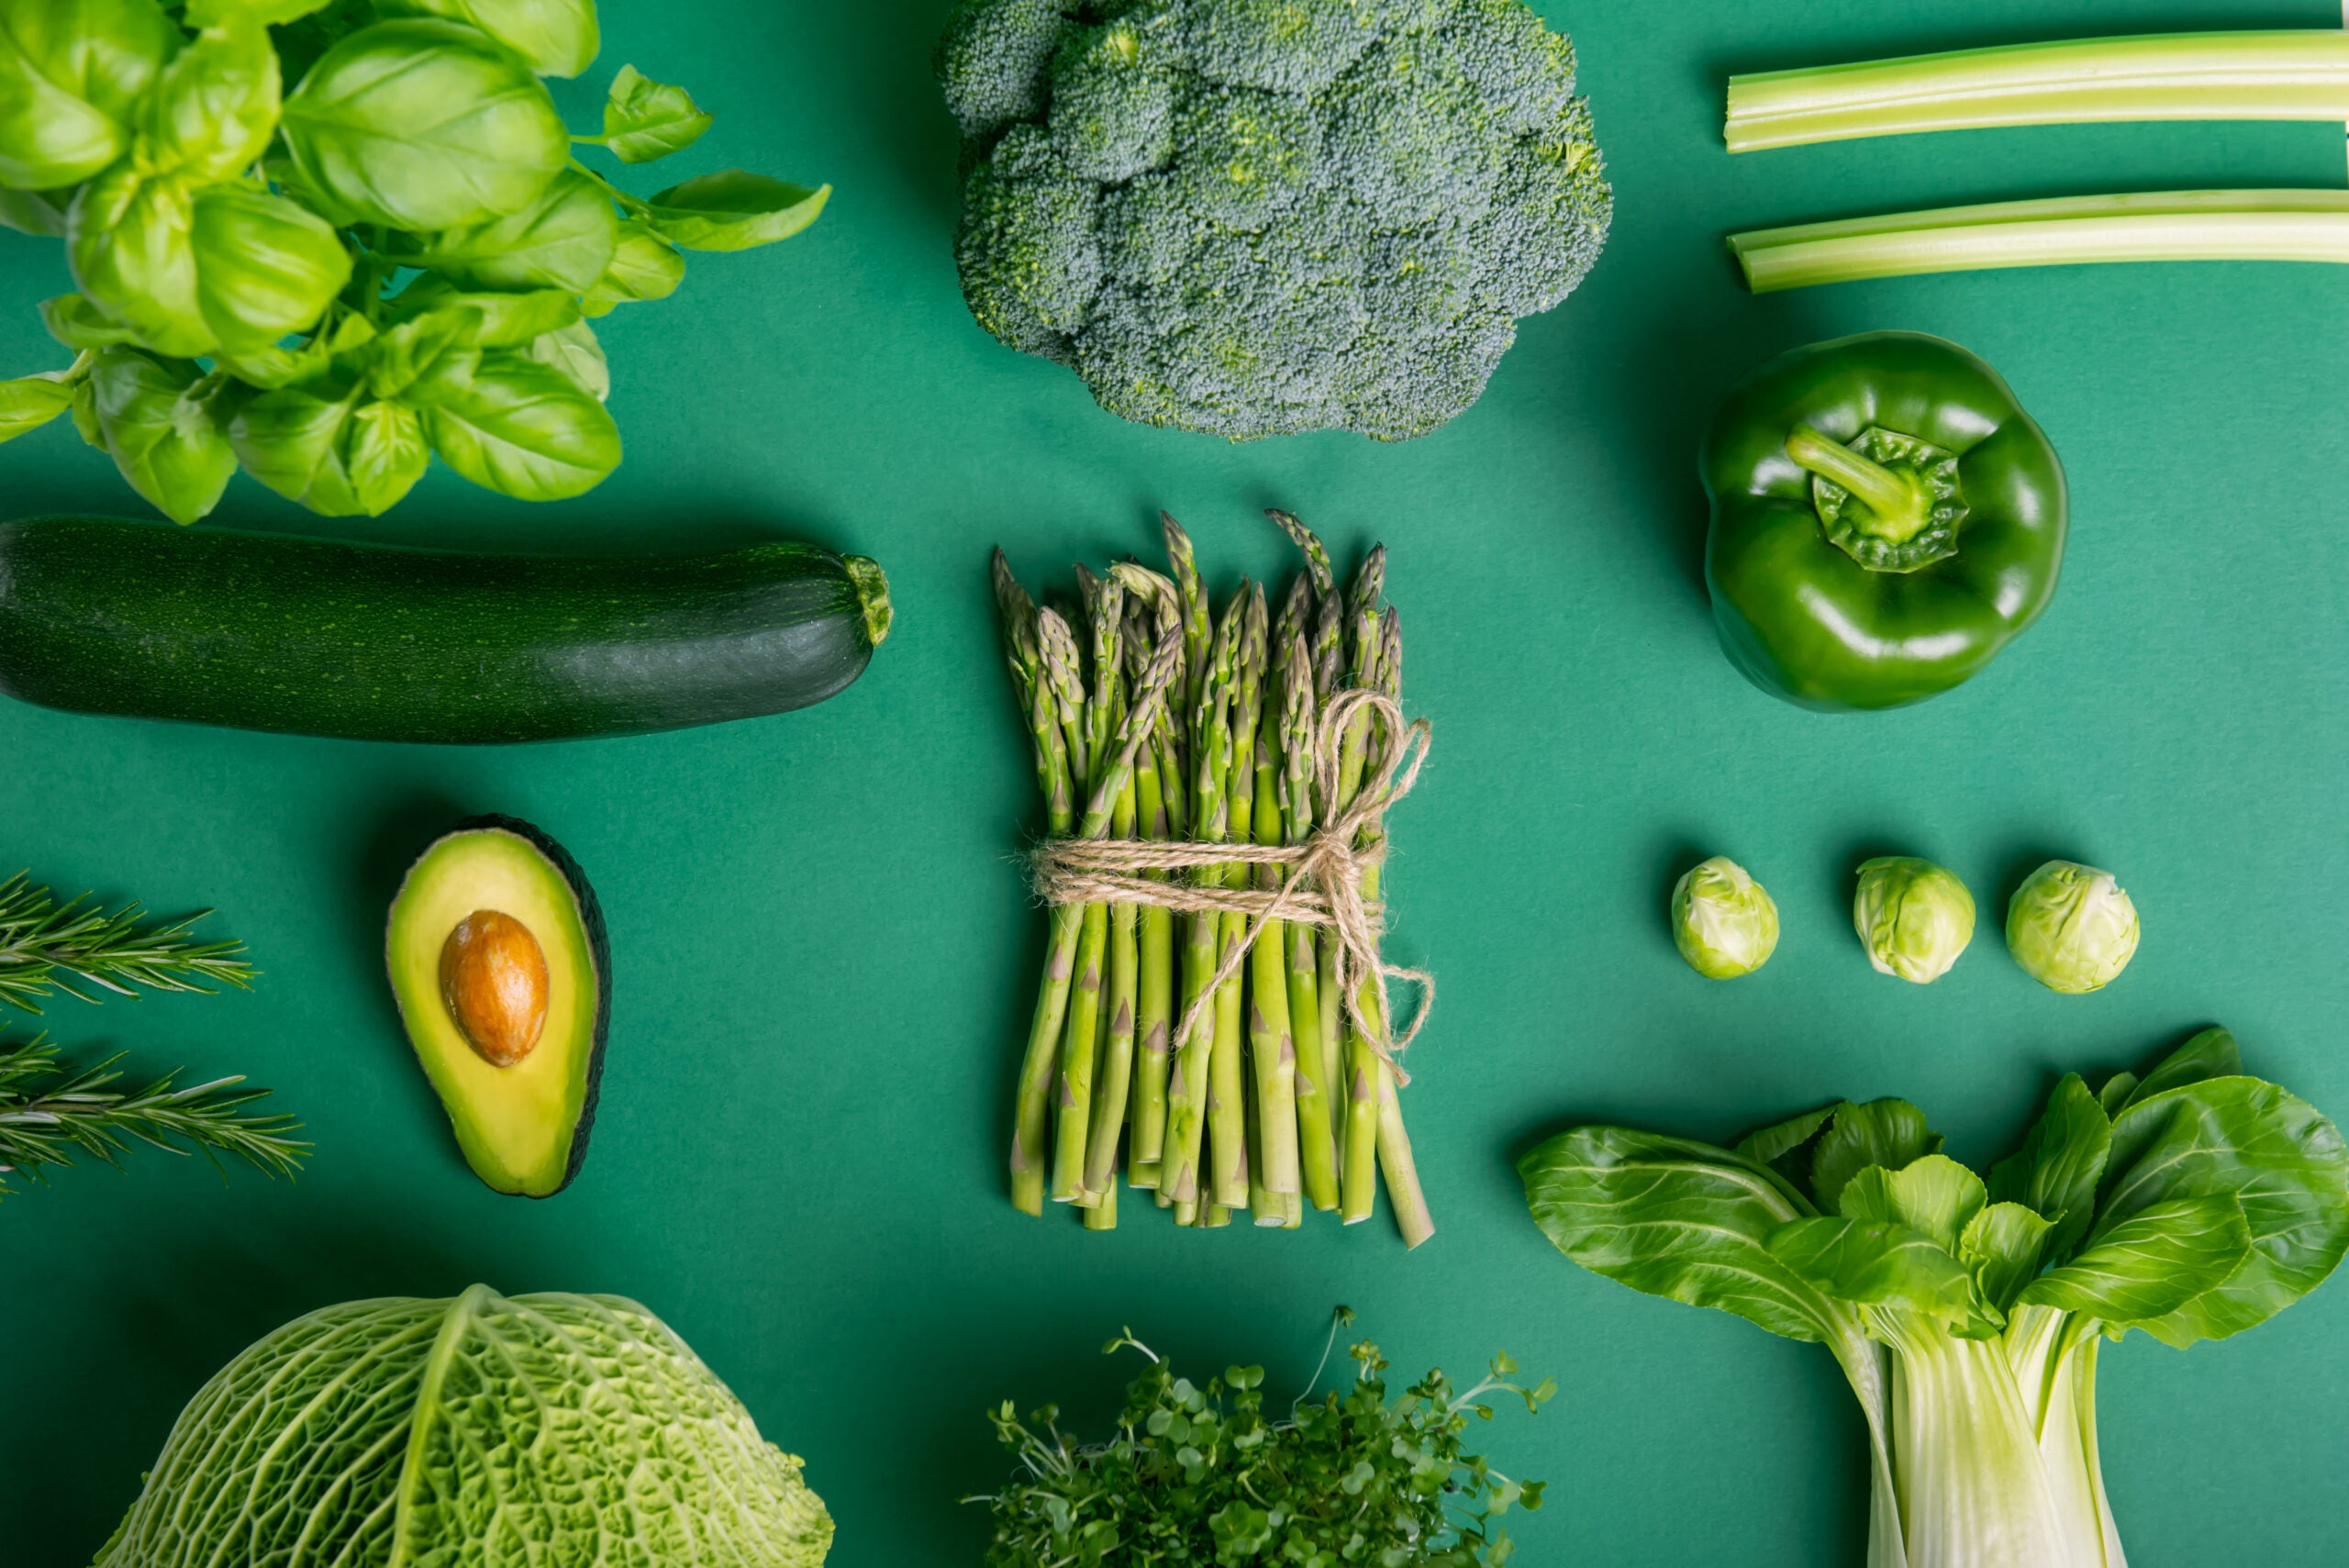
pixel 1259 217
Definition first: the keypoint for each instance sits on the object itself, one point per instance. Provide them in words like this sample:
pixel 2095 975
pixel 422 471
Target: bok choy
pixel 1966 1312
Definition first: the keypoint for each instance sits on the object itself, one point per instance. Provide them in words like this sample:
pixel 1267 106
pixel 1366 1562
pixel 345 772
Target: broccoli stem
pixel 2267 75
pixel 2174 226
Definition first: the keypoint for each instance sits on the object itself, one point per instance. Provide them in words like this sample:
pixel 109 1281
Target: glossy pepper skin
pixel 1798 612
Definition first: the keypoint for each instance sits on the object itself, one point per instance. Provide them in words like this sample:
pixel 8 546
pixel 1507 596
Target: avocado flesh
pixel 524 1128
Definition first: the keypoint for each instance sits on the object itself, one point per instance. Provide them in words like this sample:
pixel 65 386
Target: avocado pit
pixel 494 982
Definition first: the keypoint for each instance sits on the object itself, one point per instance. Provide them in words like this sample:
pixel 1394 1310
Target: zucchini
pixel 376 642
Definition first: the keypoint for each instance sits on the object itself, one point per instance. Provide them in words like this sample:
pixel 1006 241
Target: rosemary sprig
pixel 49 1111
pixel 46 947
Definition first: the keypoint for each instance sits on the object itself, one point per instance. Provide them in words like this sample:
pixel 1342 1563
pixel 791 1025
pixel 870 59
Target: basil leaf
pixel 732 210
pixel 559 37
pixel 2002 1248
pixel 563 238
pixel 1889 1134
pixel 576 351
pixel 74 321
pixel 516 427
pixel 500 321
pixel 644 119
pixel 70 70
pixel 1680 1219
pixel 2062 1159
pixel 264 267
pixel 1876 1265
pixel 340 458
pixel 268 12
pixel 643 266
pixel 38 213
pixel 424 126
pixel 397 359
pixel 31 402
pixel 2248 1139
pixel 2151 1265
pixel 129 238
pixel 162 423
pixel 385 454
pixel 215 108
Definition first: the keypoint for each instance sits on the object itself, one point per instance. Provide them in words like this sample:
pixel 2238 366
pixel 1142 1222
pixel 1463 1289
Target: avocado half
pixel 523 1123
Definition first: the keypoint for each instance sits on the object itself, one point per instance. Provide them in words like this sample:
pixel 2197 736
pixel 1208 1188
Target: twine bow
pixel 1324 881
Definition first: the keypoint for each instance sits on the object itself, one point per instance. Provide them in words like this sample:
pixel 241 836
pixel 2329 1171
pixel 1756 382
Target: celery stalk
pixel 2160 226
pixel 2268 75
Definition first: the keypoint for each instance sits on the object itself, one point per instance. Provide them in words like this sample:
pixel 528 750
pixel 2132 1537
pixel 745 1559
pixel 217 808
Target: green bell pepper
pixel 1884 520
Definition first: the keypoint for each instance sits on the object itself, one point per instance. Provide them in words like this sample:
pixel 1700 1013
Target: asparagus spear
pixel 1226 1069
pixel 1312 1079
pixel 1105 604
pixel 1158 602
pixel 1272 1041
pixel 1037 1068
pixel 1358 1148
pixel 1403 1193
pixel 1210 751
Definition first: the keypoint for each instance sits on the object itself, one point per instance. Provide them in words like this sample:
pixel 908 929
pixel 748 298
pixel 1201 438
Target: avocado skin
pixel 591 922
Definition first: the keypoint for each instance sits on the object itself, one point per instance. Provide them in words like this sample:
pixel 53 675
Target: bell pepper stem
pixel 1900 504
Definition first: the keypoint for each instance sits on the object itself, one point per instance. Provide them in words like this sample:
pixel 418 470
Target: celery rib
pixel 2267 75
pixel 2161 226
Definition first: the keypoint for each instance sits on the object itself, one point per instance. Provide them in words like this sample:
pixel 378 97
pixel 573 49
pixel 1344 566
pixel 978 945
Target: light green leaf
pixel 1677 1218
pixel 215 108
pixel 1889 1134
pixel 516 427
pixel 70 72
pixel 2155 1263
pixel 2062 1159
pixel 1934 1195
pixel 385 454
pixel 130 240
pixel 38 213
pixel 644 266
pixel 432 343
pixel 2210 1054
pixel 1768 1145
pixel 576 351
pixel 163 424
pixel 264 267
pixel 269 12
pixel 31 402
pixel 559 37
pixel 2248 1139
pixel 499 320
pixel 275 366
pixel 74 321
pixel 563 238
pixel 424 126
pixel 732 210
pixel 2002 1249
pixel 1876 1264
pixel 292 442
pixel 644 119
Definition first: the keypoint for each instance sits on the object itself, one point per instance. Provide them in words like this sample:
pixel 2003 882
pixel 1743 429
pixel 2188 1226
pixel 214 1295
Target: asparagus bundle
pixel 1194 1010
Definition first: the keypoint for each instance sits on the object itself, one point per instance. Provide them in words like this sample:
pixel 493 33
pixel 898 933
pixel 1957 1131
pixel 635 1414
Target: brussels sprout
pixel 2071 927
pixel 1913 917
pixel 1724 923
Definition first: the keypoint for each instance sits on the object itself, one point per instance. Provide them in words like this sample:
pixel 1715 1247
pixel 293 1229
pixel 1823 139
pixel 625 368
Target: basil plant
pixel 1967 1310
pixel 327 241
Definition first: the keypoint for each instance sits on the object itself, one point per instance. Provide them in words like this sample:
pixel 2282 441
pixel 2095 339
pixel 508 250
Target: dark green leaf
pixel 424 126
pixel 163 425
pixel 2055 1171
pixel 1876 1265
pixel 563 238
pixel 70 73
pixel 517 426
pixel 2151 1265
pixel 29 403
pixel 2210 1054
pixel 2002 1249
pixel 1676 1219
pixel 558 38
pixel 644 266
pixel 732 210
pixel 644 119
pixel 1934 1195
pixel 1889 1134
pixel 2116 1091
pixel 2239 1137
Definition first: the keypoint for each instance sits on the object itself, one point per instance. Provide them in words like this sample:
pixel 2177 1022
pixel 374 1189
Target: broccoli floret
pixel 1258 217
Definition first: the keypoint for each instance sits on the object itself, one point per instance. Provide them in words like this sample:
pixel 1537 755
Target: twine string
pixel 1323 886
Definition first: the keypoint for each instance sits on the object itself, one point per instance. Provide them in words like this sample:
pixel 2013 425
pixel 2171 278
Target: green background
pixel 824 960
